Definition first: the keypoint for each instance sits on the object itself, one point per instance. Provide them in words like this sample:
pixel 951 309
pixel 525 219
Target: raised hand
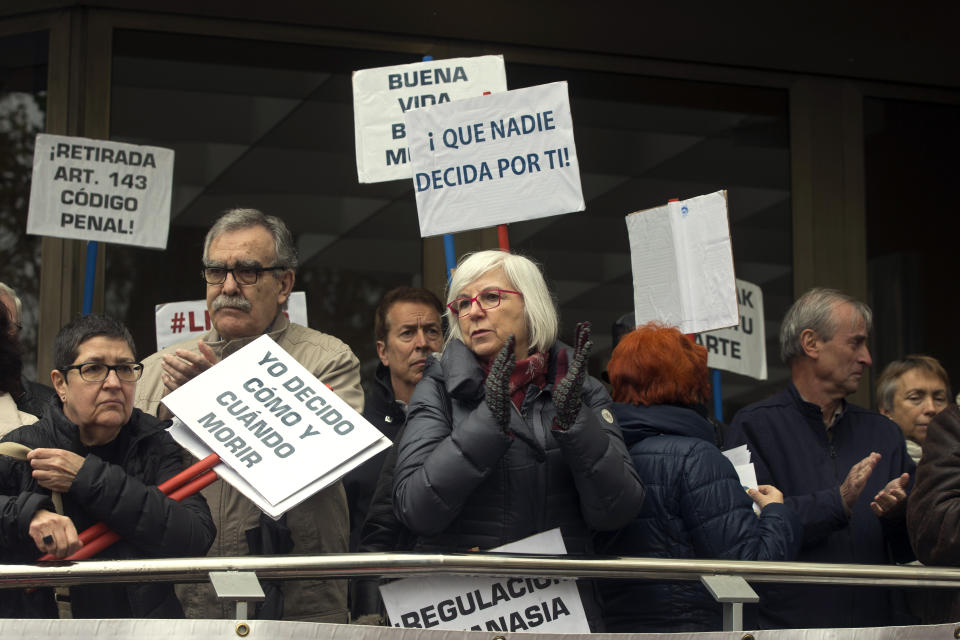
pixel 566 392
pixel 498 383
pixel 892 499
pixel 856 480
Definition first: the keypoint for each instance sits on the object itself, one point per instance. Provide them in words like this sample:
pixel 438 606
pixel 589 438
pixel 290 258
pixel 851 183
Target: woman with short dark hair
pixel 104 459
pixel 695 506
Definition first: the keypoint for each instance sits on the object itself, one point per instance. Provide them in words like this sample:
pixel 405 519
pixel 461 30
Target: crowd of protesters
pixel 499 433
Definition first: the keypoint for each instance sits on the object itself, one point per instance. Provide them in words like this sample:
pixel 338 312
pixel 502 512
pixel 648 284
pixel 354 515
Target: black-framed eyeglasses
pixel 243 275
pixel 98 371
pixel 487 299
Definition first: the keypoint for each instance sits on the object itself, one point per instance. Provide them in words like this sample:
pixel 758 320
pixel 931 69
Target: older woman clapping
pixel 104 459
pixel 507 435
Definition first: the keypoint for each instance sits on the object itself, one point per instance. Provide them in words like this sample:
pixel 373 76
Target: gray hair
pixel 7 291
pixel 237 219
pixel 524 276
pixel 814 310
pixel 887 382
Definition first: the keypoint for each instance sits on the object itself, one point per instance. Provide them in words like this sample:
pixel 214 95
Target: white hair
pixel 7 291
pixel 524 276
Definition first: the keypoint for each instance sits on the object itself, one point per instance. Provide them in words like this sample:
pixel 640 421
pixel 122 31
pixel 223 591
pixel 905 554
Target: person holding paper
pixel 843 469
pixel 93 458
pixel 249 260
pixel 696 506
pixel 507 435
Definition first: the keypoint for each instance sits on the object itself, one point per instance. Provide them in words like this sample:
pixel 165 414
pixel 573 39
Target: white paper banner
pixel 381 97
pixel 272 422
pixel 177 321
pixel 491 604
pixel 100 190
pixel 496 159
pixel 741 349
pixel 682 263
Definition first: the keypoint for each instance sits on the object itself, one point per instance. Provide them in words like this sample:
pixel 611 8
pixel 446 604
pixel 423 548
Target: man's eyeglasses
pixel 243 275
pixel 487 299
pixel 98 371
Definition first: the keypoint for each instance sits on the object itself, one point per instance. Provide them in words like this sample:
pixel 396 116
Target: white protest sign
pixel 381 97
pixel 741 349
pixel 100 190
pixel 682 263
pixel 545 605
pixel 177 321
pixel 192 443
pixel 271 421
pixel 495 159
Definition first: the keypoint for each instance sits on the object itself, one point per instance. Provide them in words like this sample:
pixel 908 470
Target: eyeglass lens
pixel 98 371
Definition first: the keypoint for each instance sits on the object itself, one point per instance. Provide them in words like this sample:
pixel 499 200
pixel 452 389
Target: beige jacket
pixel 10 416
pixel 318 525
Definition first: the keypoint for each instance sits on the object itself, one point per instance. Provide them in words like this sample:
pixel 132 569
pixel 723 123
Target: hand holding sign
pixel 279 429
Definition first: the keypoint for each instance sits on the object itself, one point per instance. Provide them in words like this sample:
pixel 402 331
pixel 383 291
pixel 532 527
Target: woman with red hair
pixel 695 505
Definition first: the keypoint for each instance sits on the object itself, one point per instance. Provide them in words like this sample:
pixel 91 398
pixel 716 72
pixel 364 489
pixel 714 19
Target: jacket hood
pixel 638 422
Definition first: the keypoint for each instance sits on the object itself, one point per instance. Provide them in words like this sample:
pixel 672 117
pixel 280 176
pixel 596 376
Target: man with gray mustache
pixel 249 262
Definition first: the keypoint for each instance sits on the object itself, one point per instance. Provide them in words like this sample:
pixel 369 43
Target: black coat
pixel 115 485
pixel 695 508
pixel 462 482
pixel 793 451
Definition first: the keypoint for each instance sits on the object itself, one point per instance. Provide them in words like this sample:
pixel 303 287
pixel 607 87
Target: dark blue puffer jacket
pixel 695 508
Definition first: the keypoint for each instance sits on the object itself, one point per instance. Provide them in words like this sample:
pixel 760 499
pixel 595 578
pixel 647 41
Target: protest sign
pixel 271 421
pixel 100 190
pixel 177 321
pixel 480 162
pixel 682 263
pixel 743 348
pixel 381 97
pixel 545 605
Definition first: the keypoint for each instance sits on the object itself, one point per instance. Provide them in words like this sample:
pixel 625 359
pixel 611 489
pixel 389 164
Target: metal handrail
pixel 397 565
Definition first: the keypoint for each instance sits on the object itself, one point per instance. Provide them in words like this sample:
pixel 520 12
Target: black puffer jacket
pixel 116 485
pixel 461 482
pixel 695 508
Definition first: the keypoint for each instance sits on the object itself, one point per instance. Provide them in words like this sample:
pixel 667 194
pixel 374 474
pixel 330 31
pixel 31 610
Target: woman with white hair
pixel 506 435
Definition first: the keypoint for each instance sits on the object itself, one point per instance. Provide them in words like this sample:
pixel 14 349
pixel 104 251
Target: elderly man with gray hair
pixel 842 468
pixel 249 261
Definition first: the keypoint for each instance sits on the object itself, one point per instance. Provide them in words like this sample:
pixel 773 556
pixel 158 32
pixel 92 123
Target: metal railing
pixel 237 579
pixel 401 565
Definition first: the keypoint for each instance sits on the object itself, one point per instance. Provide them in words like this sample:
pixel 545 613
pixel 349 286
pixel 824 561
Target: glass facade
pixel 270 125
pixel 23 105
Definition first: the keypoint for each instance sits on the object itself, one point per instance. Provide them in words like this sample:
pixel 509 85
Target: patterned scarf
pixel 532 369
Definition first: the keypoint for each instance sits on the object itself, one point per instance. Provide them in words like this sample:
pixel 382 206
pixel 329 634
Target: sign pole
pixel 717 396
pixel 91 272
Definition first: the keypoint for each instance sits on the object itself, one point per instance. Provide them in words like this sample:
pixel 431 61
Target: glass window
pixel 23 105
pixel 270 125
pixel 640 142
pixel 910 177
